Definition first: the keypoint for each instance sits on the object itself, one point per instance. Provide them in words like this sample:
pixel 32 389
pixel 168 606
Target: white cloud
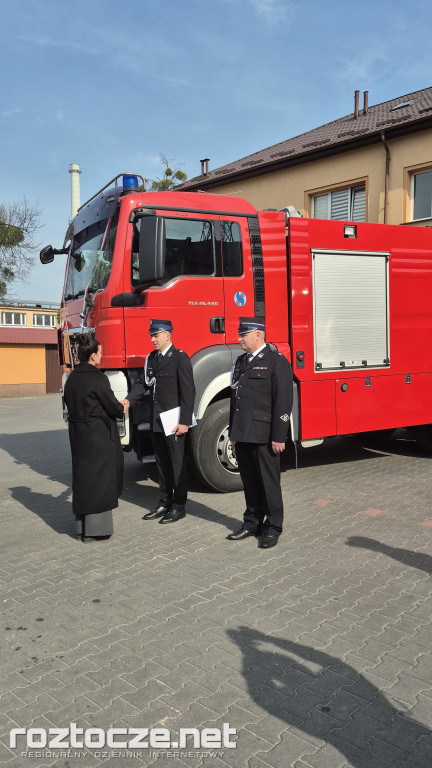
pixel 273 11
pixel 11 112
pixel 50 42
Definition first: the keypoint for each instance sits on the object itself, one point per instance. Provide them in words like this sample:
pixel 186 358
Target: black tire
pixel 211 454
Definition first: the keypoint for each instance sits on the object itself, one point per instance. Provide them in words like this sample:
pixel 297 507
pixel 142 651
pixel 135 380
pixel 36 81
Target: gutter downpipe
pixel 387 172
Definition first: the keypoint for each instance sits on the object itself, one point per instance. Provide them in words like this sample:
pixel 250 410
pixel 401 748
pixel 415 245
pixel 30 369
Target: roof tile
pixel 16 335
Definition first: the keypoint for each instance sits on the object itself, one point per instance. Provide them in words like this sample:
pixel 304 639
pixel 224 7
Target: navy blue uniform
pixel 261 404
pixel 173 387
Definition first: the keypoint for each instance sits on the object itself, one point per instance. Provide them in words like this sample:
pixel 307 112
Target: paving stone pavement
pixel 317 651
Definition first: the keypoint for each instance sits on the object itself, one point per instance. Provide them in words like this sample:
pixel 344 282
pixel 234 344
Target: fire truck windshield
pixel 90 259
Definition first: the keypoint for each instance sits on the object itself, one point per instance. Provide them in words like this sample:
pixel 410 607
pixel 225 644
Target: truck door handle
pixel 217 325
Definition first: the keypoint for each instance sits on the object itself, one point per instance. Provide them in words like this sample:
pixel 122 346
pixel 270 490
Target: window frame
pixel 50 324
pixel 22 315
pixel 216 258
pixel 413 173
pixel 327 191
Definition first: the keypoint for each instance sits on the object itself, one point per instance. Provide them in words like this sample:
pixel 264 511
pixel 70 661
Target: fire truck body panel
pixel 385 394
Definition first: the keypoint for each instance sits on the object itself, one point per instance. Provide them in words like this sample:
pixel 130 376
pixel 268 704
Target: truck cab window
pixel 91 258
pixel 189 249
pixel 232 256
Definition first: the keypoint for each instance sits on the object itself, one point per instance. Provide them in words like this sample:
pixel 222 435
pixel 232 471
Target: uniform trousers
pixel 260 472
pixel 171 468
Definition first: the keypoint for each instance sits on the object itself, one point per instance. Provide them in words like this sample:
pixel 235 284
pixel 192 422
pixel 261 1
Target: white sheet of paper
pixel 170 419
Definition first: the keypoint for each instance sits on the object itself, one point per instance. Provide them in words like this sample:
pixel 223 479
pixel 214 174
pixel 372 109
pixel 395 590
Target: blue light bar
pixel 130 182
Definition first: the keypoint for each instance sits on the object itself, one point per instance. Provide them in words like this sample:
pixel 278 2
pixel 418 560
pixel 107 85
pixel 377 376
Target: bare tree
pixel 19 223
pixel 172 176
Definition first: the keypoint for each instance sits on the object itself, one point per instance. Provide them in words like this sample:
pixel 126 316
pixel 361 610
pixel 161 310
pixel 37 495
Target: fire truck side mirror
pixel 47 254
pixel 151 249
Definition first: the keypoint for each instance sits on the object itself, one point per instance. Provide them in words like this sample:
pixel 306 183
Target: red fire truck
pixel 349 304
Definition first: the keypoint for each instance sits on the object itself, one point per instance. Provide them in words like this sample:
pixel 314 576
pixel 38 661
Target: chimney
pixel 75 171
pixel 204 171
pixel 356 104
pixel 365 102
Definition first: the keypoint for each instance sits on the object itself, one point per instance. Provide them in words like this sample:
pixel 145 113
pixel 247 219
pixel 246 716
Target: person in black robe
pixel 97 456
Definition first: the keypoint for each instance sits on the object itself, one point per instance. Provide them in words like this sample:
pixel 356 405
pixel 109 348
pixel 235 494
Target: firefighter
pixel 261 403
pixel 168 373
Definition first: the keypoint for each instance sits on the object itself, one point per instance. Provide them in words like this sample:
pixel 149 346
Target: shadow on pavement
pixel 368 445
pixel 55 511
pixel 46 453
pixel 326 698
pixel 409 557
pixel 146 499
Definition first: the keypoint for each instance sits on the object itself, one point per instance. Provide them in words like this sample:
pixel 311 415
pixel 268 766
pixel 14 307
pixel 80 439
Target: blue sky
pixel 111 85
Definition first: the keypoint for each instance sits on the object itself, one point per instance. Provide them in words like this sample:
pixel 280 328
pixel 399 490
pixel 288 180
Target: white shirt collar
pixel 166 350
pixel 257 351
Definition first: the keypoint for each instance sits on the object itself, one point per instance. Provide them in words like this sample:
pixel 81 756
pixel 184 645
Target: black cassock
pixel 97 456
pixel 260 411
pixel 173 387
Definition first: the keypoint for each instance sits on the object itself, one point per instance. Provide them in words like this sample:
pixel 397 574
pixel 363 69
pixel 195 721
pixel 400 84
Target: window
pixel 189 248
pixel 421 195
pixel 91 258
pixel 13 318
pixel 47 321
pixel 232 256
pixel 347 204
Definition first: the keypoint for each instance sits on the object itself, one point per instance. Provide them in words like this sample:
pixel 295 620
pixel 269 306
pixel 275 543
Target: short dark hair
pixel 87 347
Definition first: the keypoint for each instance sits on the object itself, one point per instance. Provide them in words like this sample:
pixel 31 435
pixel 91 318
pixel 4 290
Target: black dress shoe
pixel 243 533
pixel 172 516
pixel 158 512
pixel 268 541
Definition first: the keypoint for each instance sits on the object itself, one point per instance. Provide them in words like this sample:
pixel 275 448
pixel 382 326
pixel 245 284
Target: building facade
pixel 373 165
pixel 28 348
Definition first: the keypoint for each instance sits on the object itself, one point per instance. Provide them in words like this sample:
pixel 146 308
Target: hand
pixel 278 447
pixel 180 429
pixel 126 405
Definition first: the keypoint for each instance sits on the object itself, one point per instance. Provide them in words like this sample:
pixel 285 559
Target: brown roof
pixel 404 114
pixel 14 335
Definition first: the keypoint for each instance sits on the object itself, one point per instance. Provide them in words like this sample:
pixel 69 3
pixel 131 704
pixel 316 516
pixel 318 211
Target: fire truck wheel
pixel 213 459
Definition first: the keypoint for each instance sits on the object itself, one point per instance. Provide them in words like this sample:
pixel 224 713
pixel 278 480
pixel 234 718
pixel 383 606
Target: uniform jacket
pixel 174 386
pixel 262 402
pixel 97 456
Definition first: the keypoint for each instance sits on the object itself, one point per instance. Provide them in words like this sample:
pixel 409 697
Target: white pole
pixel 75 171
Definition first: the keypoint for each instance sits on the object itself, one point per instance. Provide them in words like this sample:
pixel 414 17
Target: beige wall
pixel 22 364
pixel 295 186
pixel 22 370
